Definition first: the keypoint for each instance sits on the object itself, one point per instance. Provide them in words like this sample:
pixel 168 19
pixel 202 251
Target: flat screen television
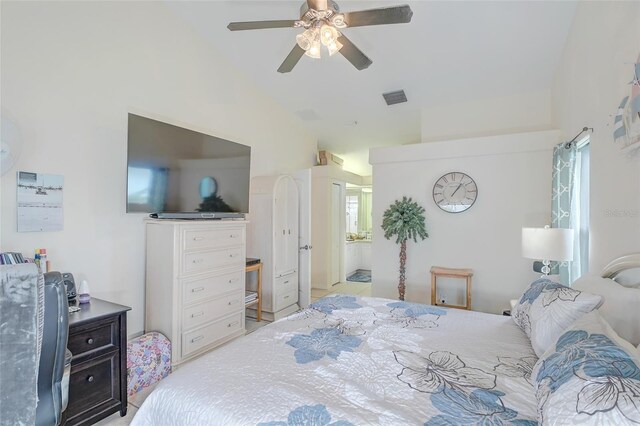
pixel 176 172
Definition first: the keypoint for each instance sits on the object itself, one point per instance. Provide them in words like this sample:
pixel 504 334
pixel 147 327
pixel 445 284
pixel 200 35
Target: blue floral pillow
pixel 590 377
pixel 547 308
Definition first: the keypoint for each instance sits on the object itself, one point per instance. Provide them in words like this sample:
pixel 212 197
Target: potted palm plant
pixel 404 220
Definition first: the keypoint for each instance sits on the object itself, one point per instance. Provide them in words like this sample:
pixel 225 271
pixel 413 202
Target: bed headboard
pixel 624 270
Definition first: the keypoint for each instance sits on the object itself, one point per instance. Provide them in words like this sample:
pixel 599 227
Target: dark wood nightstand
pixel 98 382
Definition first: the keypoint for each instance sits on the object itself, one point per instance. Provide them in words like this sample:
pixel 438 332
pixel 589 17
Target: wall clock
pixel 455 192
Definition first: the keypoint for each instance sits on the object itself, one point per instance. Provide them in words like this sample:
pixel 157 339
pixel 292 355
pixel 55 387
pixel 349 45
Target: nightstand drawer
pixel 208 311
pixel 197 339
pixel 94 385
pixel 193 239
pixel 195 289
pixel 206 260
pixel 97 336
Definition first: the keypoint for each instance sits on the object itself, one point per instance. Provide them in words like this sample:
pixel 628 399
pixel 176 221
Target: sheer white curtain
pixel 570 204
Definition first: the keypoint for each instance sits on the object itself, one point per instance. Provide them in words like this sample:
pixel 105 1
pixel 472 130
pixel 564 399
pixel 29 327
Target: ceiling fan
pixel 322 22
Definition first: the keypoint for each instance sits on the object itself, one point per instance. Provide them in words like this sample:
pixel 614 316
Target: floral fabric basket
pixel 148 361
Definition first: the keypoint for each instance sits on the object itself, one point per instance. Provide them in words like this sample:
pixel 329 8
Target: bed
pixel 350 360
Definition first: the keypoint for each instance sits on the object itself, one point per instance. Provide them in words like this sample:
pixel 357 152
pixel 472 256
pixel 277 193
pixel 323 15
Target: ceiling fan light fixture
pixel 304 40
pixel 338 21
pixel 314 51
pixel 328 35
pixel 334 48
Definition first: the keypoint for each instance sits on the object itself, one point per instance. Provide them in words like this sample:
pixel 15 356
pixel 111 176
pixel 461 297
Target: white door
pixel 291 261
pixel 303 181
pixel 336 234
pixel 280 227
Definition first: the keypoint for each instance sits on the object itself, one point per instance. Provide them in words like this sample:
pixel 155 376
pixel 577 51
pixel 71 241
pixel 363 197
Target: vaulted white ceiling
pixel 451 52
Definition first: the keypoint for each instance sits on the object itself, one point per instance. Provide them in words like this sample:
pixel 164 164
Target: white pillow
pixel 621 307
pixel 547 308
pixel 590 376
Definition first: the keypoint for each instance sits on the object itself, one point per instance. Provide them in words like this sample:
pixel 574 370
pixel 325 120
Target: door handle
pixel 306 247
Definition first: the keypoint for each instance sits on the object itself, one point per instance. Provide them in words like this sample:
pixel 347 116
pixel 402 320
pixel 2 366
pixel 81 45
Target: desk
pixel 258 268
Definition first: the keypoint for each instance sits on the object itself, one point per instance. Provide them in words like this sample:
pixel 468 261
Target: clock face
pixel 455 192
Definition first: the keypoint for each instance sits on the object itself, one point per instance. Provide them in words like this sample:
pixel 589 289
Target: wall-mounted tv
pixel 173 171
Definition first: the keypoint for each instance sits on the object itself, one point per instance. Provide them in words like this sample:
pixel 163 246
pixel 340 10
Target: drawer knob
pixel 195 339
pixel 90 340
pixel 198 238
pixel 197 314
pixel 90 379
pixel 233 302
pixel 231 324
pixel 197 289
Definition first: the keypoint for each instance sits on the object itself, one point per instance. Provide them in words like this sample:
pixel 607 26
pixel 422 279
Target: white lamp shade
pixel 547 244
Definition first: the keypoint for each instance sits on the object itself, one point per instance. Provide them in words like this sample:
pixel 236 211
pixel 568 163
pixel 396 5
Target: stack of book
pixel 250 297
pixel 11 258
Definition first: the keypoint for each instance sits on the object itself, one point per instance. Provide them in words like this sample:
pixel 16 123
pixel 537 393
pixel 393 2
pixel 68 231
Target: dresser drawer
pixel 204 336
pixel 206 260
pixel 100 335
pixel 286 283
pixel 207 311
pixel 94 385
pixel 286 291
pixel 194 239
pixel 196 289
pixel 287 298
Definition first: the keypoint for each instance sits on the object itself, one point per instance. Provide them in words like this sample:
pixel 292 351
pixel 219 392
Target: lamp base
pixel 546 269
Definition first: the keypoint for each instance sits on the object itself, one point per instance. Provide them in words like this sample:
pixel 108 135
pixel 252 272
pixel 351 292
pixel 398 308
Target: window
pixel 570 204
pixel 580 210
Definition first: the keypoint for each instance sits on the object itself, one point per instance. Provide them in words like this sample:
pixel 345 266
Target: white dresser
pixel 195 283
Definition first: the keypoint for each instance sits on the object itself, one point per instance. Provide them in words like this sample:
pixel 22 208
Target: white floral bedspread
pixel 351 360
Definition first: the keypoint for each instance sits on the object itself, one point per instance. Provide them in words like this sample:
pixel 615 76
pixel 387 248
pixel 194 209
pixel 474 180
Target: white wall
pixel 71 71
pixel 518 113
pixel 513 174
pixel 591 81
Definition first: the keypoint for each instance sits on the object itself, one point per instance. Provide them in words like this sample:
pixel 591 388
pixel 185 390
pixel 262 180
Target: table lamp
pixel 547 244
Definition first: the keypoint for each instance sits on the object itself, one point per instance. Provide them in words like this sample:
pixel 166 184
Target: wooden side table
pixel 258 268
pixel 465 274
pixel 98 382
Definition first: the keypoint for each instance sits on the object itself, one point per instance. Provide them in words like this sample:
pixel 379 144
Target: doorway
pixel 351 234
pixel 357 256
pixel 336 234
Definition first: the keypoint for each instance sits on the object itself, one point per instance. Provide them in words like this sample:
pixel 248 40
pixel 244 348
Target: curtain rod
pixel 569 144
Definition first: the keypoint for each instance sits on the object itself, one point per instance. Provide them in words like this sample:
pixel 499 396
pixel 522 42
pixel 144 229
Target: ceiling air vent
pixel 396 97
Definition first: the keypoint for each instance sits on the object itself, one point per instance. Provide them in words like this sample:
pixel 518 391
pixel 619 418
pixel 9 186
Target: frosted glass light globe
pixel 328 34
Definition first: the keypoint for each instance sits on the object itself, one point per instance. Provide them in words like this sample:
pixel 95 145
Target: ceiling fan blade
pixel 353 54
pixel 261 25
pixel 383 16
pixel 292 59
pixel 317 4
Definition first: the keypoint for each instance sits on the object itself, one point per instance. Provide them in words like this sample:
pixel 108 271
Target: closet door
pixel 292 226
pixel 280 228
